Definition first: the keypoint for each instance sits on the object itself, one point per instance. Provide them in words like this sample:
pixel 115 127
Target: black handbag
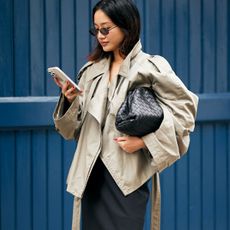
pixel 140 113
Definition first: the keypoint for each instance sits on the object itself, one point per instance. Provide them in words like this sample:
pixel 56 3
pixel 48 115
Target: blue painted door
pixel 34 160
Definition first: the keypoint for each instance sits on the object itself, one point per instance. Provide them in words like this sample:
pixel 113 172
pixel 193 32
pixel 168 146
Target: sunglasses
pixel 103 31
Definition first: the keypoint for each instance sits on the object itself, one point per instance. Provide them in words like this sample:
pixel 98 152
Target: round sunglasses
pixel 104 31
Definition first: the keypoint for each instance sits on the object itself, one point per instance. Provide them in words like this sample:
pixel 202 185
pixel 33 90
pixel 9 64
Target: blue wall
pixel 34 160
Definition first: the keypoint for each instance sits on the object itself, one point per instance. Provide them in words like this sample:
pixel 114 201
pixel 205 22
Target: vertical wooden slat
pixel 208 177
pixel 68 149
pixel 1 184
pixel 8 181
pixel 37 46
pixel 147 223
pixel 228 176
pixel 221 195
pixel 182 192
pixel 168 198
pixel 153 27
pixel 228 43
pixel 208 43
pixel 23 180
pixel 39 166
pixel 181 41
pixel 83 17
pixel 195 46
pixel 21 48
pixel 68 35
pixel 168 30
pixel 53 53
pixel 221 45
pixel 54 181
pixel 92 39
pixel 141 6
pixel 195 180
pixel 6 49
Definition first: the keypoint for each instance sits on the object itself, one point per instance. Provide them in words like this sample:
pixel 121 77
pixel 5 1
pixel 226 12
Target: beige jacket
pixel 85 116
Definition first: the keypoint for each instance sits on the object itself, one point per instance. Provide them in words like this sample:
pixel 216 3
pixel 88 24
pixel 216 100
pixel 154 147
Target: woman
pixel 110 170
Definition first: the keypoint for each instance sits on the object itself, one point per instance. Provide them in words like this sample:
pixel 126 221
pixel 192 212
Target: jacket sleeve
pixel 68 119
pixel 179 104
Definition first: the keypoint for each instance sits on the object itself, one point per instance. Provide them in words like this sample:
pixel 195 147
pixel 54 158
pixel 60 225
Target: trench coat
pixel 83 119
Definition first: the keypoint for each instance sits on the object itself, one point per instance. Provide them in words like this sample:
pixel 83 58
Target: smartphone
pixel 62 77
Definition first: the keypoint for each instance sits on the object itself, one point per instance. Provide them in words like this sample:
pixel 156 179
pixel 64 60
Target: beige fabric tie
pixel 155 203
pixel 76 213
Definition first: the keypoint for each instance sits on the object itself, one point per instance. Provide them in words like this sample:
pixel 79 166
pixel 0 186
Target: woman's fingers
pixel 68 90
pixel 58 83
pixel 130 144
pixel 70 93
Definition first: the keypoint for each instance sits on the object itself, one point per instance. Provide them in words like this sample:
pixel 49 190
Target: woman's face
pixel 112 41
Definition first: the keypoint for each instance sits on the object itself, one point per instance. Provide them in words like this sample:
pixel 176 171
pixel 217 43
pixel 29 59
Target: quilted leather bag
pixel 140 113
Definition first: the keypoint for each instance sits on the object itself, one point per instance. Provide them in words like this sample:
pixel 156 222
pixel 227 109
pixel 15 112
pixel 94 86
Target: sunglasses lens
pixel 104 31
pixel 93 31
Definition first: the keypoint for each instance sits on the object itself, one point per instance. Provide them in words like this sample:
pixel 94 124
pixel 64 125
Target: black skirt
pixel 104 207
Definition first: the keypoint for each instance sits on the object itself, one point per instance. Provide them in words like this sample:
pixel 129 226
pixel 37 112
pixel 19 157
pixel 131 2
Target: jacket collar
pixel 101 67
pixel 125 67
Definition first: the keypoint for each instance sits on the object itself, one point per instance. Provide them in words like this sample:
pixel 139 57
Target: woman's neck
pixel 114 68
pixel 117 57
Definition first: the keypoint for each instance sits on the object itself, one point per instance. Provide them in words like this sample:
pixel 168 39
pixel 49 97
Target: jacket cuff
pixel 162 144
pixel 155 151
pixel 64 110
pixel 66 122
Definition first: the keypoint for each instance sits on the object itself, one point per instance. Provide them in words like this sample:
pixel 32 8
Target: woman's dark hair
pixel 125 15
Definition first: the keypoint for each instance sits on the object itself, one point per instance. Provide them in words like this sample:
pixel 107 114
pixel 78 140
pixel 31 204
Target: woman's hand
pixel 68 90
pixel 130 144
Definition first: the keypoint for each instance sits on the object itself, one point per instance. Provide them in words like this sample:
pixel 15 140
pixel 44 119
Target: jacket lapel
pixel 97 104
pixel 97 98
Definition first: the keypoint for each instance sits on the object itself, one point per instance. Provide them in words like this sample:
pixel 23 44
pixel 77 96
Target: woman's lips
pixel 103 43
